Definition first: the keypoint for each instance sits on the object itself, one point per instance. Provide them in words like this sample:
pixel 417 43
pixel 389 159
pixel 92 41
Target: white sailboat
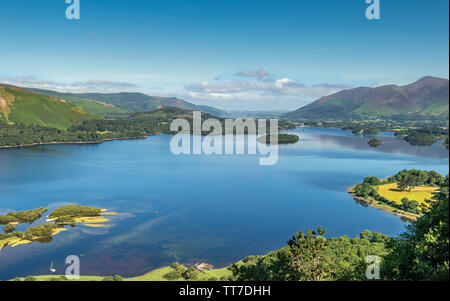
pixel 52 270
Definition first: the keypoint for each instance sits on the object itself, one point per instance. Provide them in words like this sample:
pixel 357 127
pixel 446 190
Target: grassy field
pixel 420 193
pixel 96 108
pixel 155 275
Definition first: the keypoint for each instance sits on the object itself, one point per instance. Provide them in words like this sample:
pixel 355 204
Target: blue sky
pixel 233 54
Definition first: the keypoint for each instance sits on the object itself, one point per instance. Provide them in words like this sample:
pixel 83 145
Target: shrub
pixel 172 275
pixel 9 228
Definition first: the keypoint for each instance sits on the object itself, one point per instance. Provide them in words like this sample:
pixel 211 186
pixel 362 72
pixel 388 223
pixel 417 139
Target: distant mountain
pixel 18 105
pixel 428 98
pixel 129 102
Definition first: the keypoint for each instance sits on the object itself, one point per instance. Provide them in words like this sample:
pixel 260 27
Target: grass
pixel 96 108
pixel 420 193
pixel 5 242
pixel 155 275
pixel 31 108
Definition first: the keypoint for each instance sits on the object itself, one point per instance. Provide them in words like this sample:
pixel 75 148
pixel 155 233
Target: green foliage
pixel 192 274
pixel 72 211
pixel 113 278
pixel 9 235
pixel 9 228
pixel 33 108
pixel 410 178
pixel 138 125
pixel 360 130
pixel 422 252
pixel 25 216
pixel 282 139
pixel 173 275
pixel 374 181
pixel 312 257
pixel 375 142
pixel 421 139
pixel 6 219
pixel 45 230
pixel 65 220
pixel 60 278
pixel 406 179
pixel 308 260
pixel 366 190
pixel 410 205
pixel 30 278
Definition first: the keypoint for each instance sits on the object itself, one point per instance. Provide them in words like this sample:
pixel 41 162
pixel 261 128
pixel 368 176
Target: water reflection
pixel 336 138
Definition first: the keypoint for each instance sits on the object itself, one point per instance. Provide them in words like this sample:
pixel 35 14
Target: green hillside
pixel 116 104
pixel 92 106
pixel 26 107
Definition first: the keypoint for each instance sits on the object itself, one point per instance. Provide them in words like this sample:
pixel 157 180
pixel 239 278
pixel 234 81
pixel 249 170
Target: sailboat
pixel 52 268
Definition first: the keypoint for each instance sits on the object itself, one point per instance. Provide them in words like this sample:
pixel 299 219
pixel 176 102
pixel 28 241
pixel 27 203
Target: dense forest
pixel 25 216
pixel 138 125
pixel 282 139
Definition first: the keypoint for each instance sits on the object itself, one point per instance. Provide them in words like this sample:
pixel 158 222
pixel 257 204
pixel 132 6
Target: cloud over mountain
pixel 94 85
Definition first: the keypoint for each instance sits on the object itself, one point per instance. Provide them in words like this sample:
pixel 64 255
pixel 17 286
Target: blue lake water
pixel 198 208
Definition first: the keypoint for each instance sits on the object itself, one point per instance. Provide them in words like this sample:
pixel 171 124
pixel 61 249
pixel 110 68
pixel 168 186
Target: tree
pixel 366 234
pixel 407 183
pixel 374 181
pixel 422 252
pixel 9 228
pixel 308 260
pixel 375 142
pixel 409 205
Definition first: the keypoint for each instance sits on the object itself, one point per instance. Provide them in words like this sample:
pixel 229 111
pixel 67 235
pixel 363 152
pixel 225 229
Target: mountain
pixel 428 98
pixel 128 102
pixel 19 105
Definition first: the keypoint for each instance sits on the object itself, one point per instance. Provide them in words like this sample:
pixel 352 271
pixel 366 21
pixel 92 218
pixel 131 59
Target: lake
pixel 197 208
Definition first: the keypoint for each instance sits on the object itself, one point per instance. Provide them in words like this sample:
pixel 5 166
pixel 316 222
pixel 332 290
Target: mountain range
pixel 110 104
pixel 427 98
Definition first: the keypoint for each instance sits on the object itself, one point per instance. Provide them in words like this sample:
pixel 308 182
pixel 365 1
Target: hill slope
pixel 425 99
pixel 22 106
pixel 131 102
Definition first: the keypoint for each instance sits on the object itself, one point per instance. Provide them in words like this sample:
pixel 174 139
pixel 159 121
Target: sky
pixel 231 54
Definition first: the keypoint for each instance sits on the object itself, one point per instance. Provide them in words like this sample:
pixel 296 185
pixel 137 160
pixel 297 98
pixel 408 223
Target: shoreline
pixel 373 203
pixel 91 221
pixel 75 143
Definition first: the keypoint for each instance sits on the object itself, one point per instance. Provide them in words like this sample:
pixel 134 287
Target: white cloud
pixel 94 85
pixel 262 90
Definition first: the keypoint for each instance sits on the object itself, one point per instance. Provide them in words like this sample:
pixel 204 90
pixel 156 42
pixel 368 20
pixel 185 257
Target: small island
pixel 282 139
pixel 374 142
pixel 55 222
pixel 409 193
